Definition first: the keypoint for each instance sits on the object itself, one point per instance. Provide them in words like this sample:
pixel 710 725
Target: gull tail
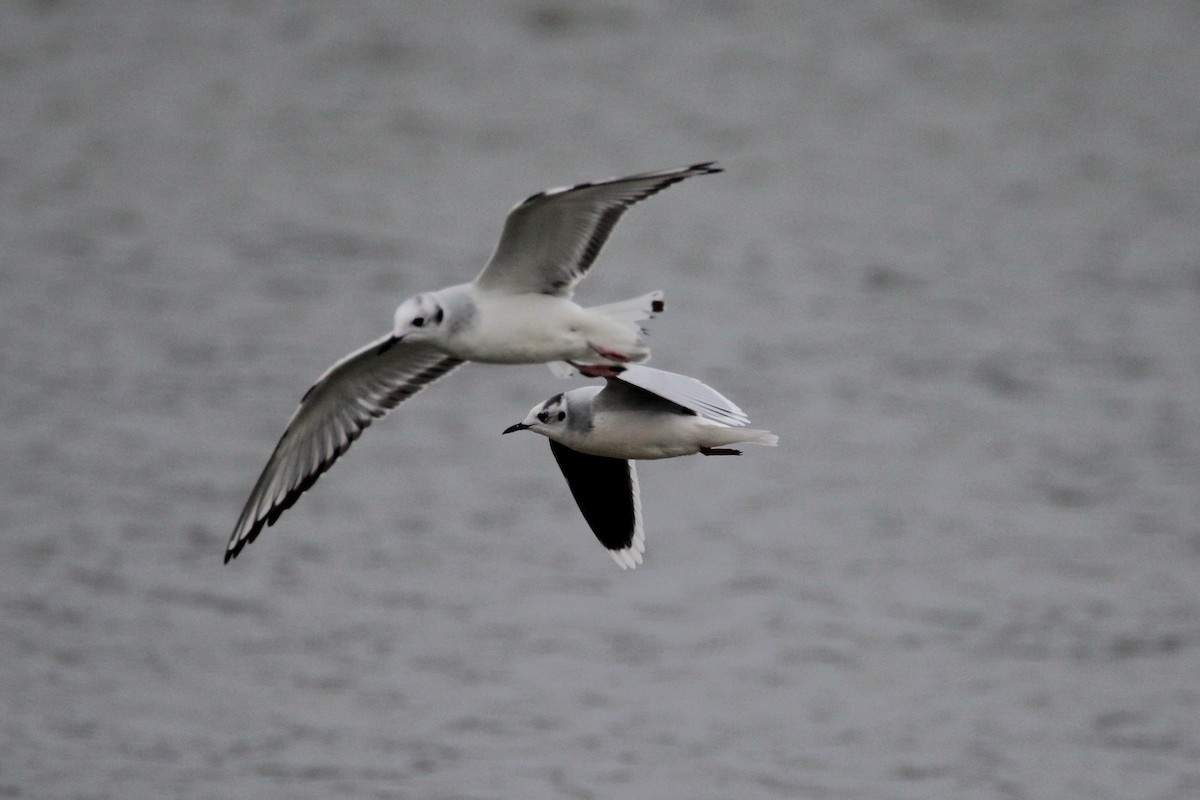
pixel 754 436
pixel 630 312
pixel 718 435
pixel 637 309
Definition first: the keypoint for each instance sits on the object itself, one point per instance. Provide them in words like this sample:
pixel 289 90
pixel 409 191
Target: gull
pixel 596 432
pixel 518 310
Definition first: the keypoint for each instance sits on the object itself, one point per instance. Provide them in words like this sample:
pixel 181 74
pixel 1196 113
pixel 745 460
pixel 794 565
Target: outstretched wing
pixel 606 491
pixel 550 240
pixel 353 393
pixel 681 390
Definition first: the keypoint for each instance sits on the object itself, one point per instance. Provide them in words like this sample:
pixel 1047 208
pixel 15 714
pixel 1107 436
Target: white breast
pixel 642 435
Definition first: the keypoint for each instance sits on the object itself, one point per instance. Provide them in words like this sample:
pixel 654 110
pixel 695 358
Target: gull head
pixel 548 418
pixel 419 317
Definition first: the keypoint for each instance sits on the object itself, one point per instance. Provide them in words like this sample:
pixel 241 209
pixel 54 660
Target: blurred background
pixel 952 262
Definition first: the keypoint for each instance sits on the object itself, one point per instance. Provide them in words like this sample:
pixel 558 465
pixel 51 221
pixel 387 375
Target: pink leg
pixel 611 355
pixel 597 370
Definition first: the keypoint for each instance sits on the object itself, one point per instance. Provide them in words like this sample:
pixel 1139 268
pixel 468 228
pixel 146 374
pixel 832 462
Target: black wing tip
pixel 285 502
pixel 239 543
pixel 672 175
pixel 236 546
pixel 421 380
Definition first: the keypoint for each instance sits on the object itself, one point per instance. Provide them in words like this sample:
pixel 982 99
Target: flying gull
pixel 640 413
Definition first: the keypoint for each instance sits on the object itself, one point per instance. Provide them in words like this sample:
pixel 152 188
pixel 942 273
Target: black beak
pixel 387 345
pixel 520 426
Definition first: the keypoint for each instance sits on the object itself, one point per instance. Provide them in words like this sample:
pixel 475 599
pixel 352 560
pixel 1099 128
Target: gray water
pixel 952 263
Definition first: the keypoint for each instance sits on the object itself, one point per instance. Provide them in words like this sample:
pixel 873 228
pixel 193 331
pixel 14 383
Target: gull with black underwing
pixel 596 433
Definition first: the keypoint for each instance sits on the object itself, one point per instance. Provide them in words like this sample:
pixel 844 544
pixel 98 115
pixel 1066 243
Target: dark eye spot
pixel 439 316
pixel 542 417
pixel 562 415
pixel 418 322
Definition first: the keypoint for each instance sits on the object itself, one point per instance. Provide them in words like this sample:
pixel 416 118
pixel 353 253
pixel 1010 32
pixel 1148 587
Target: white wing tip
pixel 631 556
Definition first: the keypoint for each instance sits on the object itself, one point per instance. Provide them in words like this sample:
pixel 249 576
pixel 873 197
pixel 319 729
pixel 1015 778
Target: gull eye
pixel 562 415
pixel 439 316
pixel 418 322
pixel 543 417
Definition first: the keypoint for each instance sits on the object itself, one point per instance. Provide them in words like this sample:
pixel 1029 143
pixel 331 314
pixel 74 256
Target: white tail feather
pixel 754 436
pixel 631 311
pixel 637 309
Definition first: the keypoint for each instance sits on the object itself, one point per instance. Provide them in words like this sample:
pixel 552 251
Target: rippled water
pixel 952 263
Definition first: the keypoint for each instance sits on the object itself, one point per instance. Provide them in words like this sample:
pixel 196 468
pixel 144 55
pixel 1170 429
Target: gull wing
pixel 681 390
pixel 606 491
pixel 351 395
pixel 551 239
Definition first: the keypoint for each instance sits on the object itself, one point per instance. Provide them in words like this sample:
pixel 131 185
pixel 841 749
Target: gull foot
pixel 597 370
pixel 611 355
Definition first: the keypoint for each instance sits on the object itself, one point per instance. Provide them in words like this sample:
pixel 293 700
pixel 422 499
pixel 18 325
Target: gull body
pixel 596 433
pixel 494 327
pixel 518 310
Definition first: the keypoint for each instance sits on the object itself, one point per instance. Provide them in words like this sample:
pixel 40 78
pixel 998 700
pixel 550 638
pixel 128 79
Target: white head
pixel 419 317
pixel 550 418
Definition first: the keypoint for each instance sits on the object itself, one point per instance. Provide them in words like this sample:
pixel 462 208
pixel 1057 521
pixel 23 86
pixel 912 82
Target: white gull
pixel 640 413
